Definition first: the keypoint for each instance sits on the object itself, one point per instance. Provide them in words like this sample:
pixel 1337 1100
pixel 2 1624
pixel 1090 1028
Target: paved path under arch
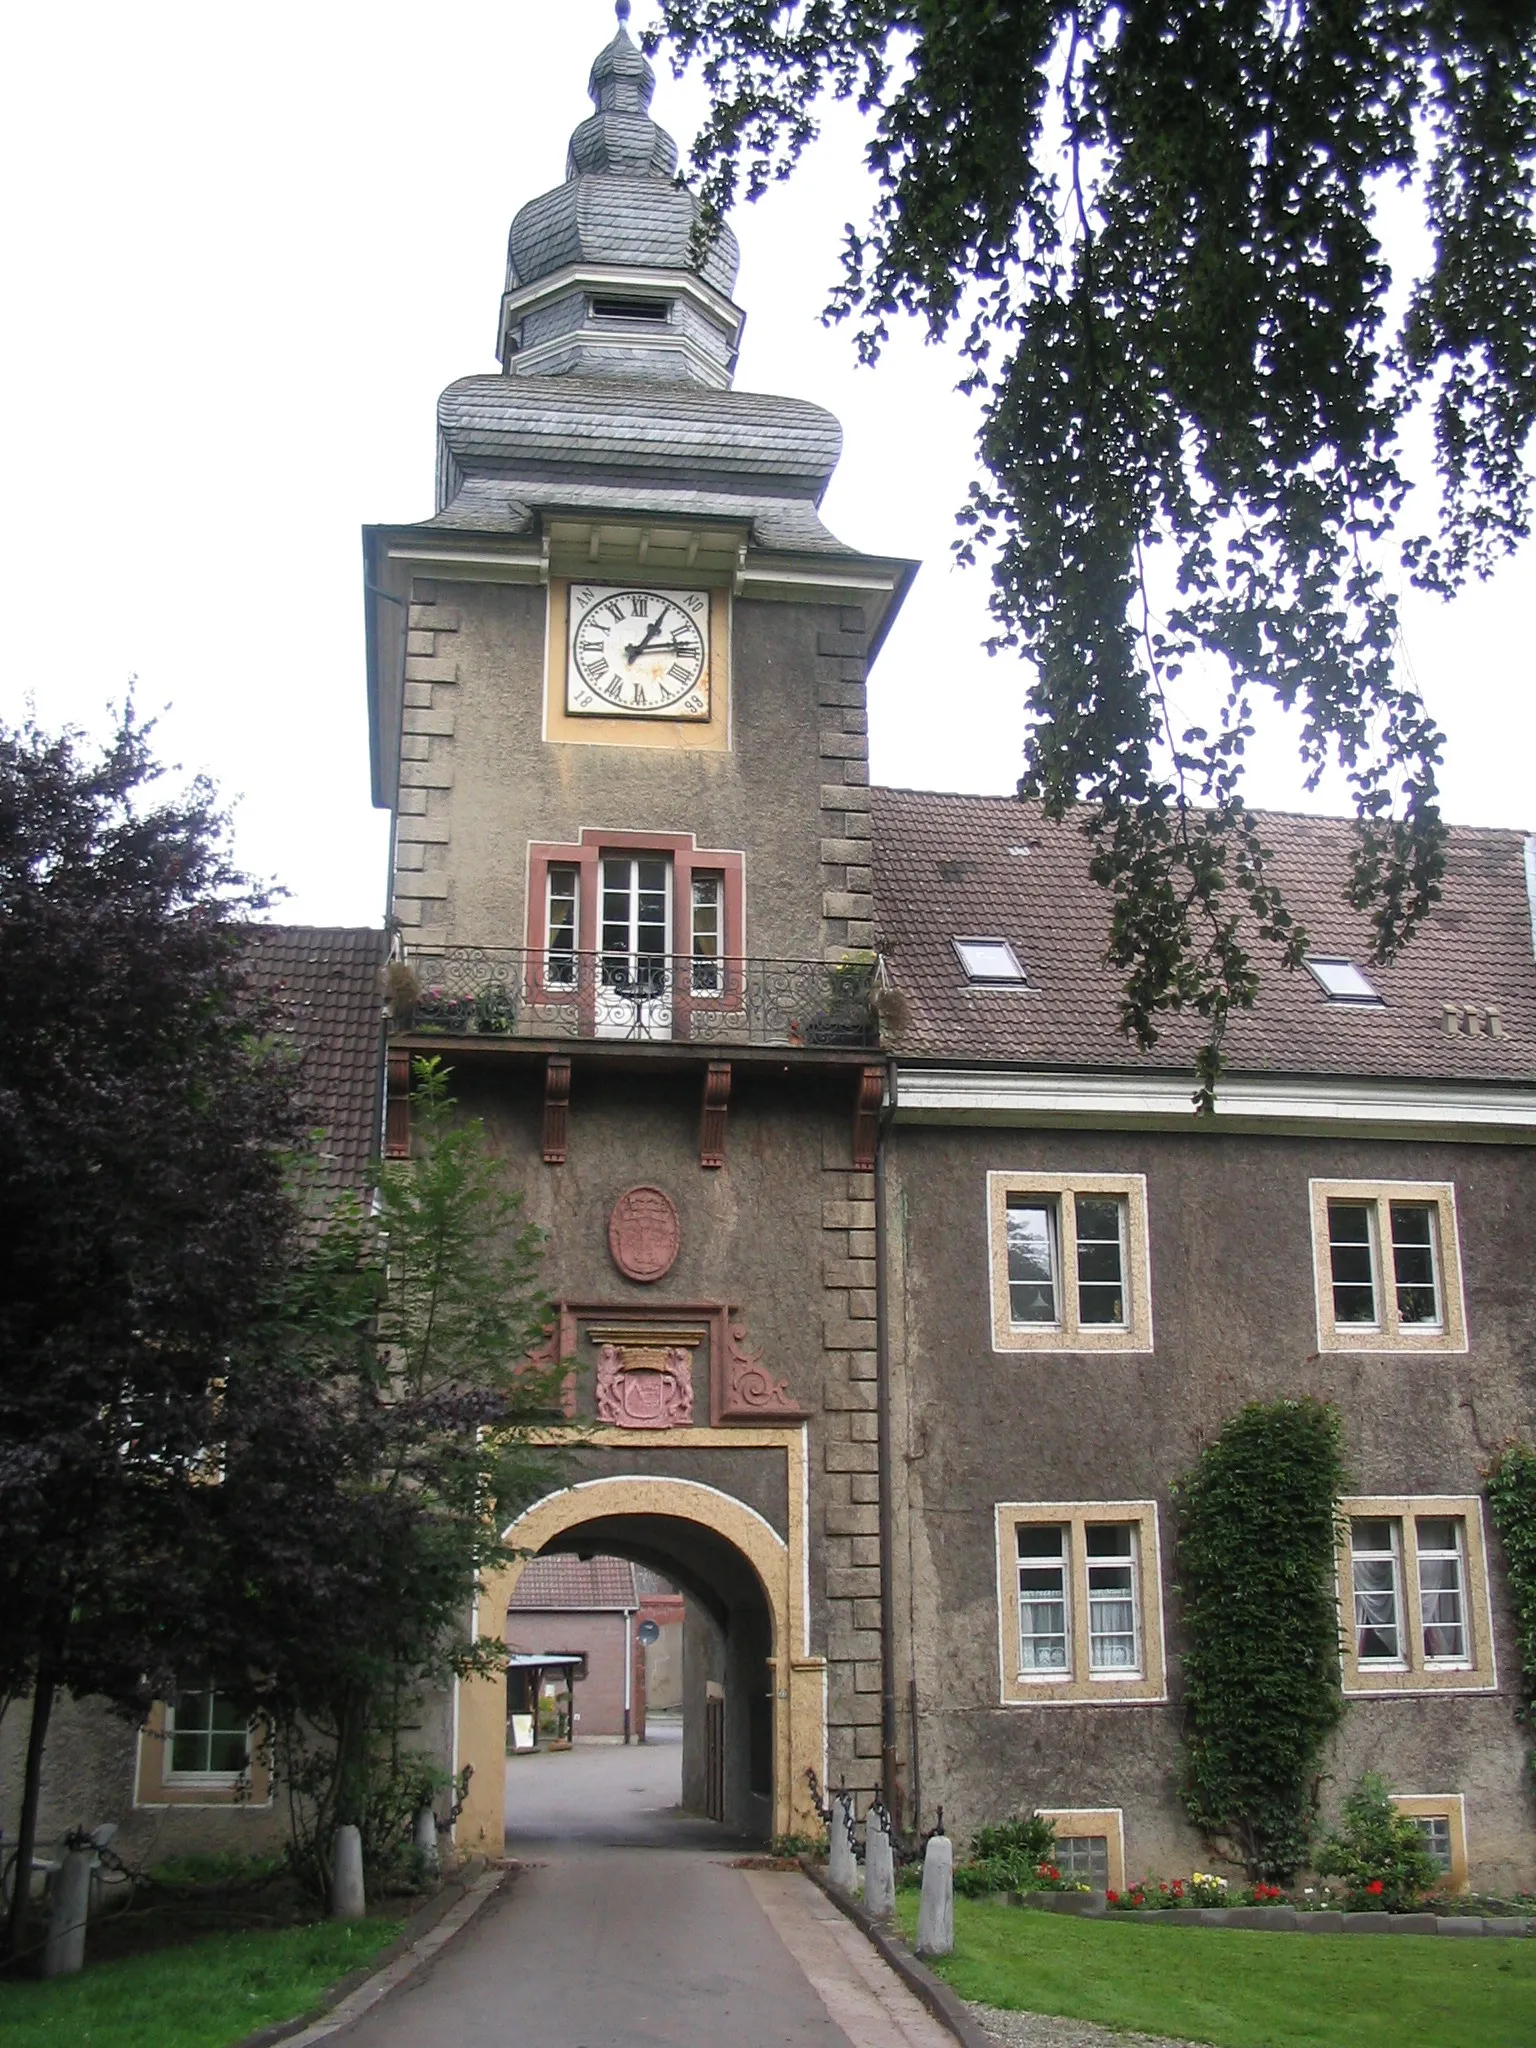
pixel 627 1927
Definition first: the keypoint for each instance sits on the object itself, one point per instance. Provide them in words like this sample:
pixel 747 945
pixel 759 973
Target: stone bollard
pixel 347 1900
pixel 64 1950
pixel 879 1867
pixel 936 1910
pixel 841 1867
pixel 425 1839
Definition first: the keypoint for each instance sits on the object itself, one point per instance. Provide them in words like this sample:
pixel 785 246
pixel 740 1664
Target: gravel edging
pixel 947 2008
pixel 1047 2030
pixel 424 1921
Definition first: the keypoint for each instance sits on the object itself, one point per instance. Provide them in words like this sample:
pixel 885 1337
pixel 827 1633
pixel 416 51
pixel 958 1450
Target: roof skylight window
pixel 990 960
pixel 1342 982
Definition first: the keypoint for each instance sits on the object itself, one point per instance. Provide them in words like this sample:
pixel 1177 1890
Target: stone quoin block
pixel 845 1215
pixel 415 747
pixel 865 1551
pixel 420 642
pixel 412 802
pixel 420 668
pixel 841 645
pixel 837 796
pixel 858 1582
pixel 853 1521
pixel 439 723
pixel 864 1487
pixel 426 775
pixel 866 1677
pixel 436 618
pixel 418 696
pixel 862 1428
pixel 431 831
pixel 843 746
pixel 839 903
pixel 851 1458
pixel 847 1395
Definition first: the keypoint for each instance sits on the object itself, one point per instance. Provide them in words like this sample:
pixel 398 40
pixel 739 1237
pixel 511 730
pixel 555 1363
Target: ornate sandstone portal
pixel 653 1514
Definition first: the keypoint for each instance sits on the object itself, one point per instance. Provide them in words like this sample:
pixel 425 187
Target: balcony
pixel 511 994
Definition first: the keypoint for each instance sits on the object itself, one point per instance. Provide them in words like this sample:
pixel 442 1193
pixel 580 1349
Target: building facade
pixel 898 1291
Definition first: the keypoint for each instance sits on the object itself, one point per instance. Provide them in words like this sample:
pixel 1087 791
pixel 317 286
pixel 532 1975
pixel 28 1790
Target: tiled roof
pixel 325 981
pixel 576 1582
pixel 950 867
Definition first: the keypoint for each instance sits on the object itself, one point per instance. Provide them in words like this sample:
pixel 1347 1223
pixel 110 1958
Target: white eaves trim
pixel 1480 1113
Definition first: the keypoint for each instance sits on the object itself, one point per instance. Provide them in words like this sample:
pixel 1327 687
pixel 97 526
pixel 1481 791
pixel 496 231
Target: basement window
pixel 612 306
pixel 1342 982
pixel 989 960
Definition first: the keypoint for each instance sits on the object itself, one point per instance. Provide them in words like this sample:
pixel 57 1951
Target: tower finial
pixel 621 9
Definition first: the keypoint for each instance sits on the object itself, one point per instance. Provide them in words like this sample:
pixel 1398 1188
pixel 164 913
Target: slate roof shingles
pixel 948 867
pixel 325 982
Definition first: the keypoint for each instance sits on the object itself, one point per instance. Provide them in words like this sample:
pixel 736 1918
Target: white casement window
pixel 1419 1585
pixel 636 914
pixel 1387 1267
pixel 1377 1567
pixel 1081 1602
pixel 708 932
pixel 1442 1545
pixel 562 924
pixel 1114 1633
pixel 1044 1556
pixel 1070 1269
pixel 208 1738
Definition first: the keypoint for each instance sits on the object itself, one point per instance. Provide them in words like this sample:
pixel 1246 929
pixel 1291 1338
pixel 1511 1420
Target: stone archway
pixel 654 1517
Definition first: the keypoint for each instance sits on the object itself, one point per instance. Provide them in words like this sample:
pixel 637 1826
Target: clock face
pixel 638 653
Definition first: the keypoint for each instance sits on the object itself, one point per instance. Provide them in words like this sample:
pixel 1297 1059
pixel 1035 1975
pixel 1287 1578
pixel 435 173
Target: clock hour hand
pixel 673 647
pixel 640 646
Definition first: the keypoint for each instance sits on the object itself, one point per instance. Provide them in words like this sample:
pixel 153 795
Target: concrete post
pixel 347 1900
pixel 424 1836
pixel 879 1867
pixel 936 1909
pixel 64 1950
pixel 842 1870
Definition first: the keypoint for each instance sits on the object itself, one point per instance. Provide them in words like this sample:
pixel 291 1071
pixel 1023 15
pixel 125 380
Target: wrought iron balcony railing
pixel 510 992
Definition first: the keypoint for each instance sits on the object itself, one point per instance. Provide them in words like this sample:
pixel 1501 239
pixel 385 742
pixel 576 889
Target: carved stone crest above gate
pixel 641 1387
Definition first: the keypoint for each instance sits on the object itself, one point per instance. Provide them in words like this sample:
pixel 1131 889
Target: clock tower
pixel 617 702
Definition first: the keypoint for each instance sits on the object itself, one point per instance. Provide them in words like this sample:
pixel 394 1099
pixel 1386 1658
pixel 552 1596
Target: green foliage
pixel 199 1994
pixel 1512 1503
pixel 380 1432
pixel 1242 1989
pixel 1257 1563
pixel 798 1845
pixel 1154 231
pixel 1014 1856
pixel 1379 1854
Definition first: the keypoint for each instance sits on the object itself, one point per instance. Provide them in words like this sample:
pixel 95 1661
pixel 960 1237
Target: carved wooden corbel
pixel 557 1103
pixel 866 1117
pixel 717 1096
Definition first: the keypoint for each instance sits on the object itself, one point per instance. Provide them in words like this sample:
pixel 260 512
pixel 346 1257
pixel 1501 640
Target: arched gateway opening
pixel 755 1721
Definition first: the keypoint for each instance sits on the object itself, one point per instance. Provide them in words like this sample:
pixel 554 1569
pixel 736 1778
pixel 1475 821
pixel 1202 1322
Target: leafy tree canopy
pixel 1153 229
pixel 143 1207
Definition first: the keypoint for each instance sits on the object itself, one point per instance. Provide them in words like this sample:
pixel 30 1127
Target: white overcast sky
pixel 244 249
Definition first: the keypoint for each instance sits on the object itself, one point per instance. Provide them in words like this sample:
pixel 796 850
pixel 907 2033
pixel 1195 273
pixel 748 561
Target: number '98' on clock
pixel 637 652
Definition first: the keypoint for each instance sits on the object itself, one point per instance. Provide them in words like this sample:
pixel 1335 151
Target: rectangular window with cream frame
pixel 1080 1606
pixel 1090 1844
pixel 195 1751
pixel 1413 1583
pixel 1443 1818
pixel 1070 1269
pixel 1386 1265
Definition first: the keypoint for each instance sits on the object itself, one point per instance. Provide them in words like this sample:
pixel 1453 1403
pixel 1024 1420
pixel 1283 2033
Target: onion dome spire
pixel 603 279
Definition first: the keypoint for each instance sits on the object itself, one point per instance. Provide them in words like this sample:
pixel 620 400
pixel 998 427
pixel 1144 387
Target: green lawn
pixel 1242 1989
pixel 204 1995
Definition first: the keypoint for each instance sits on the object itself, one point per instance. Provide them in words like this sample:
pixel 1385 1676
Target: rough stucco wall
pixel 480 772
pixel 1234 1321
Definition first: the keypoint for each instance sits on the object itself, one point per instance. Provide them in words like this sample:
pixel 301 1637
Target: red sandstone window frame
pixel 688 858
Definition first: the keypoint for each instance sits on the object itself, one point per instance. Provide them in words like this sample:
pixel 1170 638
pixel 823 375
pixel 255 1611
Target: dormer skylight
pixel 1342 982
pixel 989 960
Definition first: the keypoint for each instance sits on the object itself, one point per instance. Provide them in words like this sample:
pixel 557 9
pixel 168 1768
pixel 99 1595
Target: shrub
pixel 1016 1856
pixel 1378 1853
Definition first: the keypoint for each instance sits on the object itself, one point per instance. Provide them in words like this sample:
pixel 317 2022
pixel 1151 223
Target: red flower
pixel 1375 1886
pixel 1113 1898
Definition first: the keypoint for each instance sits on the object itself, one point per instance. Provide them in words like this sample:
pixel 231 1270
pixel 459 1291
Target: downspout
pixel 888 1764
pixel 629 1673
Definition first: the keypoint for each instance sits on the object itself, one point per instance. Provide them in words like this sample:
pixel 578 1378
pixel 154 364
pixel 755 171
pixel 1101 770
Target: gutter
pixel 888 1762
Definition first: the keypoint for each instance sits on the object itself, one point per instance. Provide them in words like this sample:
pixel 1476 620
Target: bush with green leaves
pixel 1257 1547
pixel 1512 1503
pixel 1379 1854
pixel 1015 1856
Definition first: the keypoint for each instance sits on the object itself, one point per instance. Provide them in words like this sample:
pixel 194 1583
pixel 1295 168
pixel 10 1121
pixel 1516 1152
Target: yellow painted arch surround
pixel 799 1679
